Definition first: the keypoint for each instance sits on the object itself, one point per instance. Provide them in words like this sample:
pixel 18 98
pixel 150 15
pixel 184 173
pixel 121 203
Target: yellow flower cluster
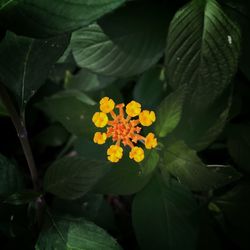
pixel 123 129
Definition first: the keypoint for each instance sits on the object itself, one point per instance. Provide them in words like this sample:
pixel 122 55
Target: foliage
pixel 186 60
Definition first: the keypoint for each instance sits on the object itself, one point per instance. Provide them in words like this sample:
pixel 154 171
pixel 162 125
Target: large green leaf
pixel 169 112
pixel 124 43
pixel 128 177
pixel 71 178
pixel 183 162
pixel 202 51
pixel 162 216
pixel 11 180
pixel 72 233
pixel 25 63
pixel 42 18
pixel 72 109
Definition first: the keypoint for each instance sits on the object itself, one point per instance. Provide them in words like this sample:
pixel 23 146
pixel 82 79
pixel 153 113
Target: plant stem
pixel 19 124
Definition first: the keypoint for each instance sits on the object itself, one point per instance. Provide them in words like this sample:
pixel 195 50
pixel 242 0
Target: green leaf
pixel 169 112
pixel 72 233
pixel 127 177
pixel 11 180
pixel 73 109
pixel 87 81
pixel 22 197
pixel 183 162
pixel 43 18
pixel 25 63
pixel 239 144
pixel 149 90
pixel 71 178
pixel 202 51
pixel 124 43
pixel 161 215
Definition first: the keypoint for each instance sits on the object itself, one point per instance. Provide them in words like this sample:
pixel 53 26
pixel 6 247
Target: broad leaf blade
pixel 161 215
pixel 72 109
pixel 169 112
pixel 71 178
pixel 202 51
pixel 72 233
pixel 128 177
pixel 25 63
pixel 43 18
pixel 123 44
pixel 183 162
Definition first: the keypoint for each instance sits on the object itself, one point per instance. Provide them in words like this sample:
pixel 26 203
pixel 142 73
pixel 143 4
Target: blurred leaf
pixel 22 197
pixel 11 180
pixel 203 47
pixel 73 109
pixel 239 144
pixel 169 112
pixel 52 136
pixel 127 177
pixel 87 81
pixel 72 233
pixel 72 177
pixel 43 18
pixel 25 63
pixel 183 162
pixel 149 90
pixel 235 206
pixel 124 43
pixel 161 215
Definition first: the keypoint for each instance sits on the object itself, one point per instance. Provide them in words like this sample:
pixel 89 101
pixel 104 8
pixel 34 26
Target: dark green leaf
pixel 202 51
pixel 25 63
pixel 125 43
pixel 42 18
pixel 149 90
pixel 184 163
pixel 169 112
pixel 69 234
pixel 71 178
pixel 11 180
pixel 161 215
pixel 128 177
pixel 87 81
pixel 73 109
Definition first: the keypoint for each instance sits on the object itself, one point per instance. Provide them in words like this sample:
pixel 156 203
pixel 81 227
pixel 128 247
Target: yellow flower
pixel 150 141
pixel 147 117
pixel 133 108
pixel 123 129
pixel 100 138
pixel 106 104
pixel 114 153
pixel 137 154
pixel 100 119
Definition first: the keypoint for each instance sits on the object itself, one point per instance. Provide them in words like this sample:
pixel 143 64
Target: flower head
pixel 123 129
